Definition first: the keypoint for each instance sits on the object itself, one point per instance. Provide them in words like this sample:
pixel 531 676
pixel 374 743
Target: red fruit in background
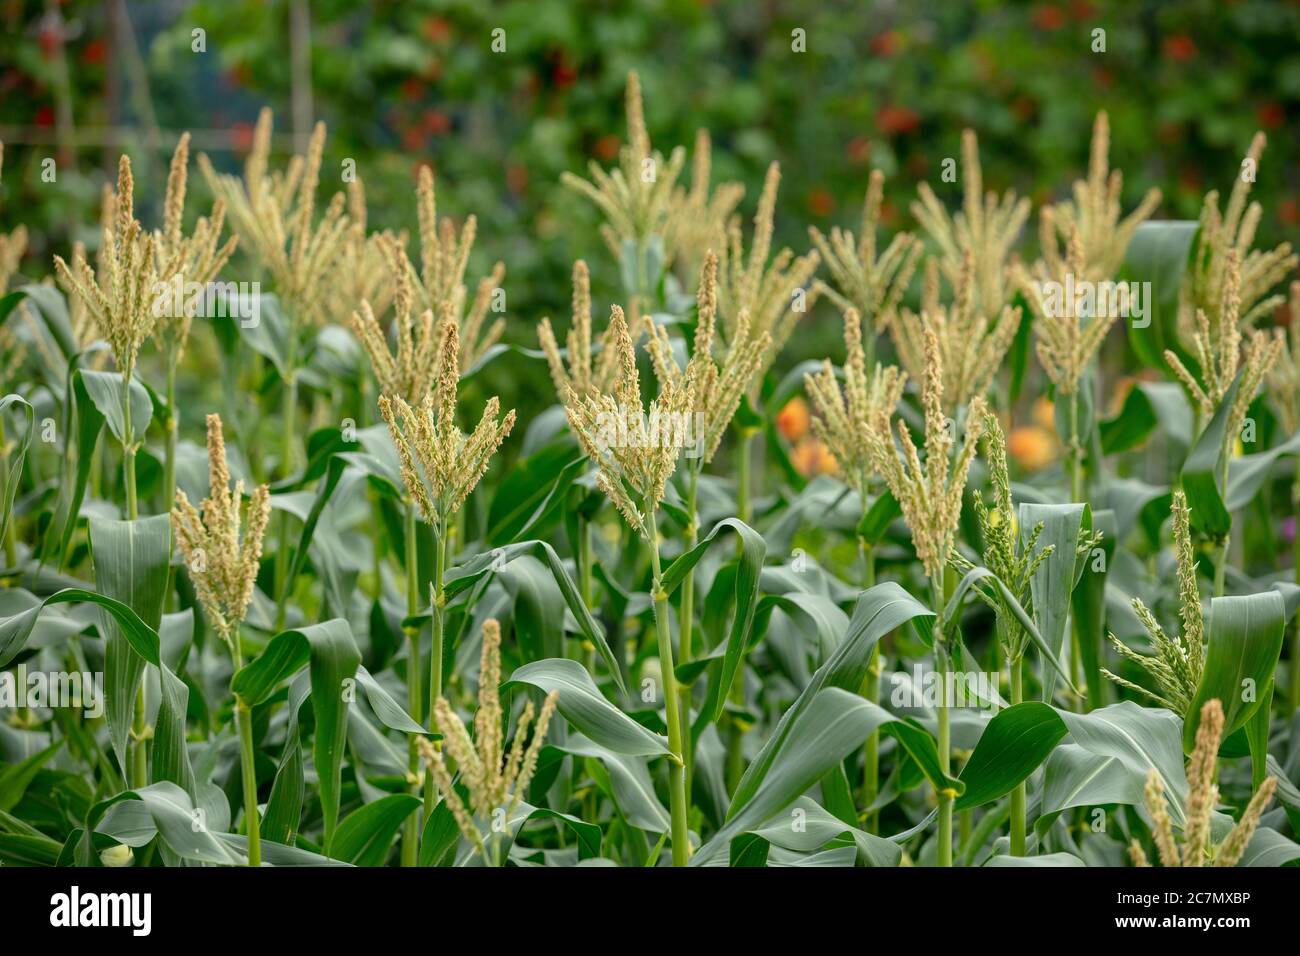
pixel 517 178
pixel 45 116
pixel 437 30
pixel 1082 9
pixel 412 89
pixel 239 75
pixel 606 148
pixel 49 40
pixel 1288 210
pixel 436 122
pixel 93 54
pixel 1271 115
pixel 241 136
pixel 564 73
pixel 889 212
pixel 885 44
pixel 1048 17
pixel 1102 78
pixel 1179 47
pixel 413 139
pixel 897 120
pixel 821 202
pixel 858 150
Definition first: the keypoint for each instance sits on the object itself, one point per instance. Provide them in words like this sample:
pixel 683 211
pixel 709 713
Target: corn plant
pixel 708 605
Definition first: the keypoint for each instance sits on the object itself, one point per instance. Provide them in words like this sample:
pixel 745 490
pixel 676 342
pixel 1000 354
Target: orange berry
pixel 794 419
pixel 1031 446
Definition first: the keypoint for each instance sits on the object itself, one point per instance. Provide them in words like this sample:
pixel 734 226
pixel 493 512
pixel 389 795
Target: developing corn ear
pixel 767 564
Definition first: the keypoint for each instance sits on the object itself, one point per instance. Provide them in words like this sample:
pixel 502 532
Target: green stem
pixel 1295 640
pixel 1221 555
pixel 248 770
pixel 435 658
pixel 686 619
pixel 1018 795
pixel 1076 450
pixel 288 425
pixel 172 426
pixel 744 510
pixel 140 766
pixel 744 452
pixel 247 764
pixel 414 695
pixel 585 591
pixel 678 807
pixel 11 541
pixel 945 796
pixel 870 691
pixel 140 756
pixel 128 452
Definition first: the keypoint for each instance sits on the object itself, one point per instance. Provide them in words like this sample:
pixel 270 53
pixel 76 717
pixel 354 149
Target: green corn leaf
pixel 1056 577
pixel 1014 744
pixel 365 836
pixel 753 549
pixel 13 471
pixel 334 658
pixel 132 560
pixel 583 706
pixel 1159 253
pixel 1245 641
pixel 468 574
pixel 1202 470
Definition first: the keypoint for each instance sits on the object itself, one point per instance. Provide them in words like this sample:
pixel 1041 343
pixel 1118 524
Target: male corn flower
pixel 869 282
pixel 845 419
pixel 986 229
pixel 635 450
pixel 363 273
pixel 410 372
pixel 1198 847
pixel 440 464
pixel 1220 355
pixel 637 197
pixel 698 216
pixel 716 388
pixel 222 563
pixel 119 294
pixel 1066 340
pixel 764 291
pixel 971 343
pixel 582 373
pixel 1012 559
pixel 439 283
pixel 194 258
pixel 1178 661
pixel 1232 232
pixel 1284 377
pixel 496 779
pixel 929 494
pixel 274 215
pixel 1094 215
pixel 84 329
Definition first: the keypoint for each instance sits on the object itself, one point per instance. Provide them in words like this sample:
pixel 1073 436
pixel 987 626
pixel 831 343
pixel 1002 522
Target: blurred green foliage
pixel 881 84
